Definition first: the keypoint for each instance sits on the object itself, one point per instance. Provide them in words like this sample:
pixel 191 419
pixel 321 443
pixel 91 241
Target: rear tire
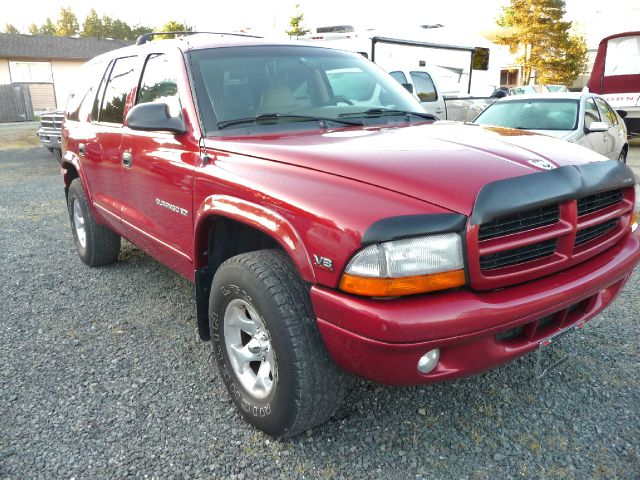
pixel 96 244
pixel 267 345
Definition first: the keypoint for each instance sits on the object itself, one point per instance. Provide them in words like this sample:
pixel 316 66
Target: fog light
pixel 429 361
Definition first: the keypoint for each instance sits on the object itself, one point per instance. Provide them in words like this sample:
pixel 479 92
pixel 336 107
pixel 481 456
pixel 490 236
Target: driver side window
pixel 591 114
pixel 159 83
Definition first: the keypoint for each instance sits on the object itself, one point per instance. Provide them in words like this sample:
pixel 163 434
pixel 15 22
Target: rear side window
pixel 84 91
pixel 425 89
pixel 121 80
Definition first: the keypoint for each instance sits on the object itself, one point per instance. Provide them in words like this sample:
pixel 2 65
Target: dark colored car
pixel 329 229
pixel 50 132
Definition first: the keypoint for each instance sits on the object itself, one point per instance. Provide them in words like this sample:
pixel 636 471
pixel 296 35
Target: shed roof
pixel 48 47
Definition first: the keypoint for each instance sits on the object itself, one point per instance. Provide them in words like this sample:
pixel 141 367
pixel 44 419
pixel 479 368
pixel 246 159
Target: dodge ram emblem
pixel 541 163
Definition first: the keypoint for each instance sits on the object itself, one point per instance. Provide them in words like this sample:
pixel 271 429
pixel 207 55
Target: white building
pixel 47 64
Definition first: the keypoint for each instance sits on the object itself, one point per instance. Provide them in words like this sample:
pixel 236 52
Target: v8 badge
pixel 323 262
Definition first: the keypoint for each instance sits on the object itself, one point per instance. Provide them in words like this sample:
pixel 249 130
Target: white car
pixel 582 118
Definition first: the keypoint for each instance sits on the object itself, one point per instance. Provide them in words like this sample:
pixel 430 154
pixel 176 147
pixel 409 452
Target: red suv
pixel 330 225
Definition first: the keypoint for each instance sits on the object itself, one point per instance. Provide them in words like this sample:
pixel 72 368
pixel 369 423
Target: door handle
pixel 439 110
pixel 127 160
pixel 81 148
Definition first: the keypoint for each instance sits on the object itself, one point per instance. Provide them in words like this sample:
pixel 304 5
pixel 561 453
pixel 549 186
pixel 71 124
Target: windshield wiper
pixel 379 112
pixel 270 118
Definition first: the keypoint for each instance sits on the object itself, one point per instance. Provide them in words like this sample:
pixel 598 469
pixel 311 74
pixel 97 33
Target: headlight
pixel 635 219
pixel 406 267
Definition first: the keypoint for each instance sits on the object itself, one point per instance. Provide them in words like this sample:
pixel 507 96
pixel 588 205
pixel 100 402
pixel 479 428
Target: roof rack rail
pixel 144 38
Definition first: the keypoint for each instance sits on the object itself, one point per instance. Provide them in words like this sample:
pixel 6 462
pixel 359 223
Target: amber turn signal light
pixel 396 287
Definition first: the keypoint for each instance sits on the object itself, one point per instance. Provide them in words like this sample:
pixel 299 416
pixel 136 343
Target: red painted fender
pixel 256 216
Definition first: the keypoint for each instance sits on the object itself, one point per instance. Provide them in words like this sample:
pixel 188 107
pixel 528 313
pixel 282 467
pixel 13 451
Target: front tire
pixel 96 244
pixel 267 345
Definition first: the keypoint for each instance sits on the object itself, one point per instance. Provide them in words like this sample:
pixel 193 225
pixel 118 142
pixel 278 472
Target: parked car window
pixel 159 83
pixel 531 114
pixel 425 89
pixel 121 81
pixel 351 83
pixel 399 76
pixel 605 112
pixel 591 113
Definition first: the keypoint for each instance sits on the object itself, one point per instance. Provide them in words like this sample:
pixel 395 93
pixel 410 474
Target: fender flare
pixel 258 217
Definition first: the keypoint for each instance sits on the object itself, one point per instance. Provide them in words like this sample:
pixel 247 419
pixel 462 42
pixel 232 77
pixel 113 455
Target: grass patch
pixel 17 137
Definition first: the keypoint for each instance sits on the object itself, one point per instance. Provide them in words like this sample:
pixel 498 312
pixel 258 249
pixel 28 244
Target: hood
pixel 443 163
pixel 554 133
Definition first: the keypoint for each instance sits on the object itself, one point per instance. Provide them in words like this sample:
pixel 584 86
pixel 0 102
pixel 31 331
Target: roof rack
pixel 142 39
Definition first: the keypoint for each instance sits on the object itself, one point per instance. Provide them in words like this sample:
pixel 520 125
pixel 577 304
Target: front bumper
pixel 383 340
pixel 50 138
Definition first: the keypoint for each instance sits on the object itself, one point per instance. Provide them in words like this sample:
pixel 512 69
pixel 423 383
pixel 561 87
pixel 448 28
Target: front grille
pixel 590 233
pixel 518 255
pixel 598 201
pixel 520 222
pixel 52 121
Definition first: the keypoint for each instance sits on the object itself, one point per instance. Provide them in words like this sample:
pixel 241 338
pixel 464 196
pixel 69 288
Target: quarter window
pixel 425 89
pixel 121 81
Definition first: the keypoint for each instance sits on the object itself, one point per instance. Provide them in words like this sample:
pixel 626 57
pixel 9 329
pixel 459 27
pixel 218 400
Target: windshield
pixel 288 84
pixel 532 114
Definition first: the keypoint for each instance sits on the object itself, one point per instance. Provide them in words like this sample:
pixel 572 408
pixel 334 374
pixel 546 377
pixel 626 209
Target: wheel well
pixel 226 238
pixel 70 174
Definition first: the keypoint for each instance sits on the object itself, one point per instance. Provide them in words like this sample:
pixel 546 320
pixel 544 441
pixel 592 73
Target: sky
pixel 594 18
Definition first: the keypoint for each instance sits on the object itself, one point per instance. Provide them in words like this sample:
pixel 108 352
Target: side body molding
pixel 256 216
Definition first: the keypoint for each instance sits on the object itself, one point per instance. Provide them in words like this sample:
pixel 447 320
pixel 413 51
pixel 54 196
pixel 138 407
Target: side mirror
pixel 408 87
pixel 154 117
pixel 597 127
pixel 622 113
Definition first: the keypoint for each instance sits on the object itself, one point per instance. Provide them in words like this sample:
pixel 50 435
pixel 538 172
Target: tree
pixel 92 26
pixel 297 30
pixel 173 26
pixel 8 28
pixel 536 29
pixel 33 29
pixel 67 24
pixel 120 30
pixel 138 30
pixel 48 28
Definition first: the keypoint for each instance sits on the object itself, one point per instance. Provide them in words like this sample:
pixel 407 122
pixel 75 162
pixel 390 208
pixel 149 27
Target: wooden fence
pixel 15 103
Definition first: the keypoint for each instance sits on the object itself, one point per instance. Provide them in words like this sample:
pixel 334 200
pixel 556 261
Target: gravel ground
pixel 102 376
